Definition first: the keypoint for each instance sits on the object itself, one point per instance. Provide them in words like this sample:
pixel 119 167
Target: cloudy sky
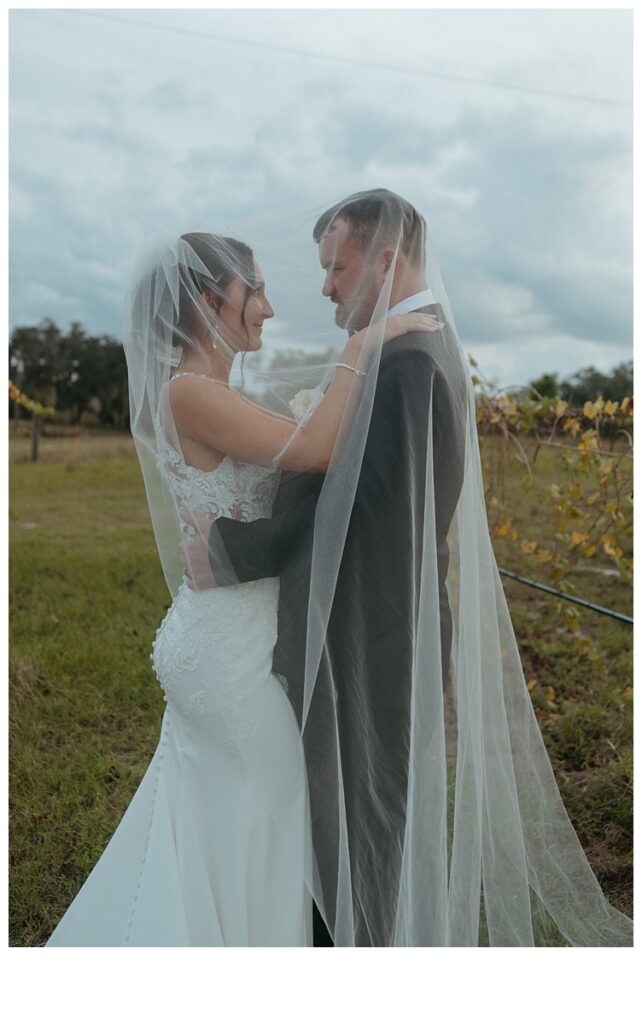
pixel 126 124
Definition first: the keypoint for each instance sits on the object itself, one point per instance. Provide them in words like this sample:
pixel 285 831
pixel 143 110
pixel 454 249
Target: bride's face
pixel 241 328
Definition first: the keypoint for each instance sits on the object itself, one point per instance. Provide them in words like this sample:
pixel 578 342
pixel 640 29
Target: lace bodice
pixel 202 647
pixel 235 489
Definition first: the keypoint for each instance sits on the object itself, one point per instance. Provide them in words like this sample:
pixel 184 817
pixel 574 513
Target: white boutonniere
pixel 304 403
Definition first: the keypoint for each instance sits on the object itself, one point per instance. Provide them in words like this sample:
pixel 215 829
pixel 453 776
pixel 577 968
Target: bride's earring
pixel 212 314
pixel 214 332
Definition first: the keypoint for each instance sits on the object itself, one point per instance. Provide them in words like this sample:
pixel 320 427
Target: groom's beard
pixel 358 313
pixel 357 318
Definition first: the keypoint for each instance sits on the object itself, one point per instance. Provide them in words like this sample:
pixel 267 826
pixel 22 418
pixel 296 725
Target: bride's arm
pixel 233 425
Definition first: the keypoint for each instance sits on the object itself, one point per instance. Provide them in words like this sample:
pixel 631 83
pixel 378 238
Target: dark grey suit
pixel 368 653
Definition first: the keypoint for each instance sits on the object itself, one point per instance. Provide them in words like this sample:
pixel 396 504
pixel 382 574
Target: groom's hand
pixel 195 554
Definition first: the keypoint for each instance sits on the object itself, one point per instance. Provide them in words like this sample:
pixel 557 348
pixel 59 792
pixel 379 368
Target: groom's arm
pixel 240 552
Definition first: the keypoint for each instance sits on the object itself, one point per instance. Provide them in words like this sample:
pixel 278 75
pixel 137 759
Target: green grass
pixel 87 594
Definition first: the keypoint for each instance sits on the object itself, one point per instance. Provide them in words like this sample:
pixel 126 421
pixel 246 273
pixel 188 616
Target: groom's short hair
pixel 381 213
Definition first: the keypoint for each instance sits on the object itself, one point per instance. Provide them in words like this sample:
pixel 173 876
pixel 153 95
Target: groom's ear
pixel 384 262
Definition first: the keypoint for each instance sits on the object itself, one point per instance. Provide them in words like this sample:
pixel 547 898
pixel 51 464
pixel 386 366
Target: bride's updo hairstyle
pixel 165 310
pixel 209 265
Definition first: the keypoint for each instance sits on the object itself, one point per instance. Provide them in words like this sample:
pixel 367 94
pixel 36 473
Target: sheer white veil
pixel 436 818
pixel 166 315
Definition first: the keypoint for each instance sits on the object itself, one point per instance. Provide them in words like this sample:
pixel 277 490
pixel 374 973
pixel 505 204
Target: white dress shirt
pixel 418 301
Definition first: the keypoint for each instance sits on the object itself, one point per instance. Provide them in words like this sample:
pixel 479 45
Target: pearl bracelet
pixel 346 366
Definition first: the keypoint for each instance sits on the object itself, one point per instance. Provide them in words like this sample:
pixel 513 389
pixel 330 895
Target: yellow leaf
pixel 473 362
pixel 590 551
pixel 611 407
pixel 589 410
pixel 575 492
pixel 627 693
pixel 528 546
pixel 560 407
pixel 578 538
pixel 531 684
pixel 589 442
pixel 609 548
pixel 550 693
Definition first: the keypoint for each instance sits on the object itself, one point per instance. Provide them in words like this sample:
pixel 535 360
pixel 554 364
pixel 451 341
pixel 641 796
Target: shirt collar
pixel 418 301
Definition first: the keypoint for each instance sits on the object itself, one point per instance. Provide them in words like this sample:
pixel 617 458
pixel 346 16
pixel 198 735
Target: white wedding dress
pixel 214 848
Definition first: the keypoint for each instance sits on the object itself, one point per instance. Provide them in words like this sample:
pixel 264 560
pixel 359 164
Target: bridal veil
pixel 436 818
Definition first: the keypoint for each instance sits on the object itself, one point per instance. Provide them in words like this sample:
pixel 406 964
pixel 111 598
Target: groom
pixel 378 567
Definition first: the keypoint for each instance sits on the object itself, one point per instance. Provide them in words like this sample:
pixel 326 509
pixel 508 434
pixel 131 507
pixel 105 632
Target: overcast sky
pixel 121 129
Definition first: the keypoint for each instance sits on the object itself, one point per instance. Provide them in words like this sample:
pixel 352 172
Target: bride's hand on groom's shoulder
pixel 195 554
pixel 409 323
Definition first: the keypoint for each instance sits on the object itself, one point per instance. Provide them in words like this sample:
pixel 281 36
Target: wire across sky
pixel 355 61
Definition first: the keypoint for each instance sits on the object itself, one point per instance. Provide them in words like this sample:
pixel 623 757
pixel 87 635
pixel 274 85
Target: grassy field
pixel 86 597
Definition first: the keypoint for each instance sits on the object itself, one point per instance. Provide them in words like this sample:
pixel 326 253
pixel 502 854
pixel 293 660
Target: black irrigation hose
pixel 568 597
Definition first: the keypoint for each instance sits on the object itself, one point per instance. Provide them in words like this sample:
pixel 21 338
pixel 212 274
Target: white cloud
pixel 119 132
pixel 513 365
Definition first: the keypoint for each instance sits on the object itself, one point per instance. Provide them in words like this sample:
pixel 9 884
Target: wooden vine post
pixel 38 412
pixel 36 424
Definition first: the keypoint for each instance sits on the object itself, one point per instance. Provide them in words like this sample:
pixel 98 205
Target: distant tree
pixel 33 352
pixel 297 357
pixel 77 372
pixel 292 370
pixel 547 386
pixel 70 370
pixel 622 381
pixel 112 387
pixel 588 383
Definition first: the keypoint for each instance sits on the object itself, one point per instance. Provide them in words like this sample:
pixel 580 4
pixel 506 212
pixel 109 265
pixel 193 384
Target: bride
pixel 214 848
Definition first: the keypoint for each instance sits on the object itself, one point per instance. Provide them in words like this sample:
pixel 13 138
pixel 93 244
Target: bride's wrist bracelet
pixel 346 366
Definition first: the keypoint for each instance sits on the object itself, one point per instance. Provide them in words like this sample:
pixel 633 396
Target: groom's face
pixel 349 277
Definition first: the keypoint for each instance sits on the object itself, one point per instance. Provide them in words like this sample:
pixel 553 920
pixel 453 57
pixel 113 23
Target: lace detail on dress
pixel 213 649
pixel 234 489
pixel 224 700
pixel 237 490
pixel 172 661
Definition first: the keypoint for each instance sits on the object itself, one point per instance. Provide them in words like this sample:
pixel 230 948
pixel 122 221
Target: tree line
pixel 585 385
pixel 72 371
pixel 83 375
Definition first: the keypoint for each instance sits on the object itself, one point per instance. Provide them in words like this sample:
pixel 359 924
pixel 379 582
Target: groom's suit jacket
pixel 371 624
